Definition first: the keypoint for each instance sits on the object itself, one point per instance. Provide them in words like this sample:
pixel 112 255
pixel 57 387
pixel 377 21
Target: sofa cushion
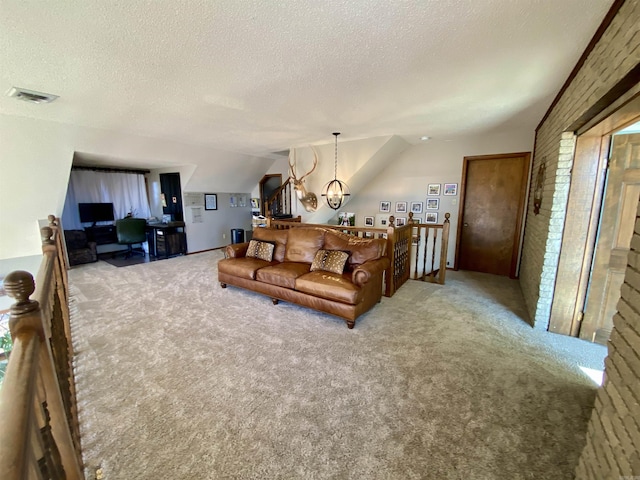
pixel 261 250
pixel 277 237
pixel 330 261
pixel 283 274
pixel 302 244
pixel 362 249
pixel 332 286
pixel 243 267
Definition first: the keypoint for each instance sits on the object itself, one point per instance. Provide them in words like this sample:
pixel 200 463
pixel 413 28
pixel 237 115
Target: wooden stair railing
pixel 38 414
pixel 400 249
pixel 279 203
pixel 428 236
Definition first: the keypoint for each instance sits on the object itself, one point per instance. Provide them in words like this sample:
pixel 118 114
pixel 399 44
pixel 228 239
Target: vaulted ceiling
pixel 259 76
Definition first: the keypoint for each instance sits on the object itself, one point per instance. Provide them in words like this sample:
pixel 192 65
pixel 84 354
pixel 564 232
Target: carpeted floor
pixel 178 378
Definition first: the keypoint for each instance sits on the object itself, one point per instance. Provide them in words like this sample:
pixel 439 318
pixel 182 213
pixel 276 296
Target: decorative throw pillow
pixel 261 250
pixel 330 261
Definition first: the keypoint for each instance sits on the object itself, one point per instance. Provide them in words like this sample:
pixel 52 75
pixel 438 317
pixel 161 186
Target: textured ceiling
pixel 261 76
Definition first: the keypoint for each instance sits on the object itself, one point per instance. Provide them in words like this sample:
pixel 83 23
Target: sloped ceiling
pixel 259 76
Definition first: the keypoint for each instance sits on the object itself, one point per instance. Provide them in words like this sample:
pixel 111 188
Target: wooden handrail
pixel 38 416
pixel 281 197
pixel 399 247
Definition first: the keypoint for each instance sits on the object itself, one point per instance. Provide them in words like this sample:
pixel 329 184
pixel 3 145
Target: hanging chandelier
pixel 336 193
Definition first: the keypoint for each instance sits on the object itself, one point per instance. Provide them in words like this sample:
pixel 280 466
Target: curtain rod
pixel 110 169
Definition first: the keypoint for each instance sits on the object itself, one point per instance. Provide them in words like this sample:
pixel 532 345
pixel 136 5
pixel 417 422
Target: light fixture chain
pixel 335 165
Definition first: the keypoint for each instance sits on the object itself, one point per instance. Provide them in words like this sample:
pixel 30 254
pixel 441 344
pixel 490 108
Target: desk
pixel 102 234
pixel 166 239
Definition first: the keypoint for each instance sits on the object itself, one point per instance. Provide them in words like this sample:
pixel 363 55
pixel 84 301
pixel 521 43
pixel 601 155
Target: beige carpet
pixel 180 379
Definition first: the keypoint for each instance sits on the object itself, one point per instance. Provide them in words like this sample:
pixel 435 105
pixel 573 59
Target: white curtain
pixel 126 191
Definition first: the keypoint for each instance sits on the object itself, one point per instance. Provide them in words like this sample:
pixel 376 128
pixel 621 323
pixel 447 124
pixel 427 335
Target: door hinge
pixel 607 165
pixel 579 317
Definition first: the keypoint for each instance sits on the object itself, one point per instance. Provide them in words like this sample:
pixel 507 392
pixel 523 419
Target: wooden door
pixel 491 209
pixel 614 238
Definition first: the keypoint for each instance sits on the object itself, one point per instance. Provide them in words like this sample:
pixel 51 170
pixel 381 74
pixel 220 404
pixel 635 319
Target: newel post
pixel 444 247
pixel 19 381
pixel 20 285
pixel 391 249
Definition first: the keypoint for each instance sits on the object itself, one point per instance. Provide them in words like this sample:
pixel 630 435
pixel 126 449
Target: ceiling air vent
pixel 31 95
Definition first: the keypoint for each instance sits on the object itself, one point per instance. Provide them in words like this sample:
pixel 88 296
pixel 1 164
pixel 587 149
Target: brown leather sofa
pixel 293 276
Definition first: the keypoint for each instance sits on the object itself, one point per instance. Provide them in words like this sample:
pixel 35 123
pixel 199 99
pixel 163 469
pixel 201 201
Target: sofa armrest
pixel 362 273
pixel 236 250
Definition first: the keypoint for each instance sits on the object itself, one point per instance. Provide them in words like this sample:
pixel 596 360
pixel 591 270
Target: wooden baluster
pixel 425 249
pixel 433 255
pixel 417 237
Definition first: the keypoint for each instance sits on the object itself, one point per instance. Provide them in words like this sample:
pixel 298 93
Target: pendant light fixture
pixel 336 193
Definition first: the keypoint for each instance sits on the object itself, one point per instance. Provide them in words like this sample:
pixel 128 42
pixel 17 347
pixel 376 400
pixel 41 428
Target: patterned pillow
pixel 261 250
pixel 330 261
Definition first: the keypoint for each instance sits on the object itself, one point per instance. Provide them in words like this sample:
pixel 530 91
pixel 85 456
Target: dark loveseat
pixel 79 248
pixel 305 269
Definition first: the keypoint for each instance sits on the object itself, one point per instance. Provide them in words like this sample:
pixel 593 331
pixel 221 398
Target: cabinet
pixel 102 235
pixel 166 240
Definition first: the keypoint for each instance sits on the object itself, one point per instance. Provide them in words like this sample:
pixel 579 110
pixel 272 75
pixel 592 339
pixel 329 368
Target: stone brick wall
pixel 615 54
pixel 612 450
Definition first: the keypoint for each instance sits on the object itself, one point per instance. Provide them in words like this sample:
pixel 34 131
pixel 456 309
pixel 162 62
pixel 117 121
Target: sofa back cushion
pixel 277 237
pixel 303 244
pixel 361 249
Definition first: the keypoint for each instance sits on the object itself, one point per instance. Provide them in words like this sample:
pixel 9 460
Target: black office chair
pixel 131 231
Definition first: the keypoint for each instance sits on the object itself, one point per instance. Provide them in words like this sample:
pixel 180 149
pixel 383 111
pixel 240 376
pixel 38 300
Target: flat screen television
pixel 95 212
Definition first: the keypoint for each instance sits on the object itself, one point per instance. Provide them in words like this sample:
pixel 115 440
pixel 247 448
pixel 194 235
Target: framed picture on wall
pixel 433 189
pixel 382 220
pixel 368 221
pixel 401 207
pixel 210 201
pixel 416 207
pixel 431 217
pixel 401 221
pixel 433 203
pixel 450 188
pixel 385 206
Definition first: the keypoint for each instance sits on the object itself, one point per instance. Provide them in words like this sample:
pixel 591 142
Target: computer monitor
pixel 95 212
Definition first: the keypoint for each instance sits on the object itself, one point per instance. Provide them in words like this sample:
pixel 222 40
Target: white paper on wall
pixel 197 215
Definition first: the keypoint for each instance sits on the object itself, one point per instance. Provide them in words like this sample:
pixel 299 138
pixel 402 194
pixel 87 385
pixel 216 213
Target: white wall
pixel 35 161
pixel 215 229
pixel 36 157
pixel 436 161
pixel 359 162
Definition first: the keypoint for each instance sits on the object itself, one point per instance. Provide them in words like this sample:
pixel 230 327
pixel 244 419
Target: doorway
pixel 493 195
pixel 268 185
pixel 601 213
